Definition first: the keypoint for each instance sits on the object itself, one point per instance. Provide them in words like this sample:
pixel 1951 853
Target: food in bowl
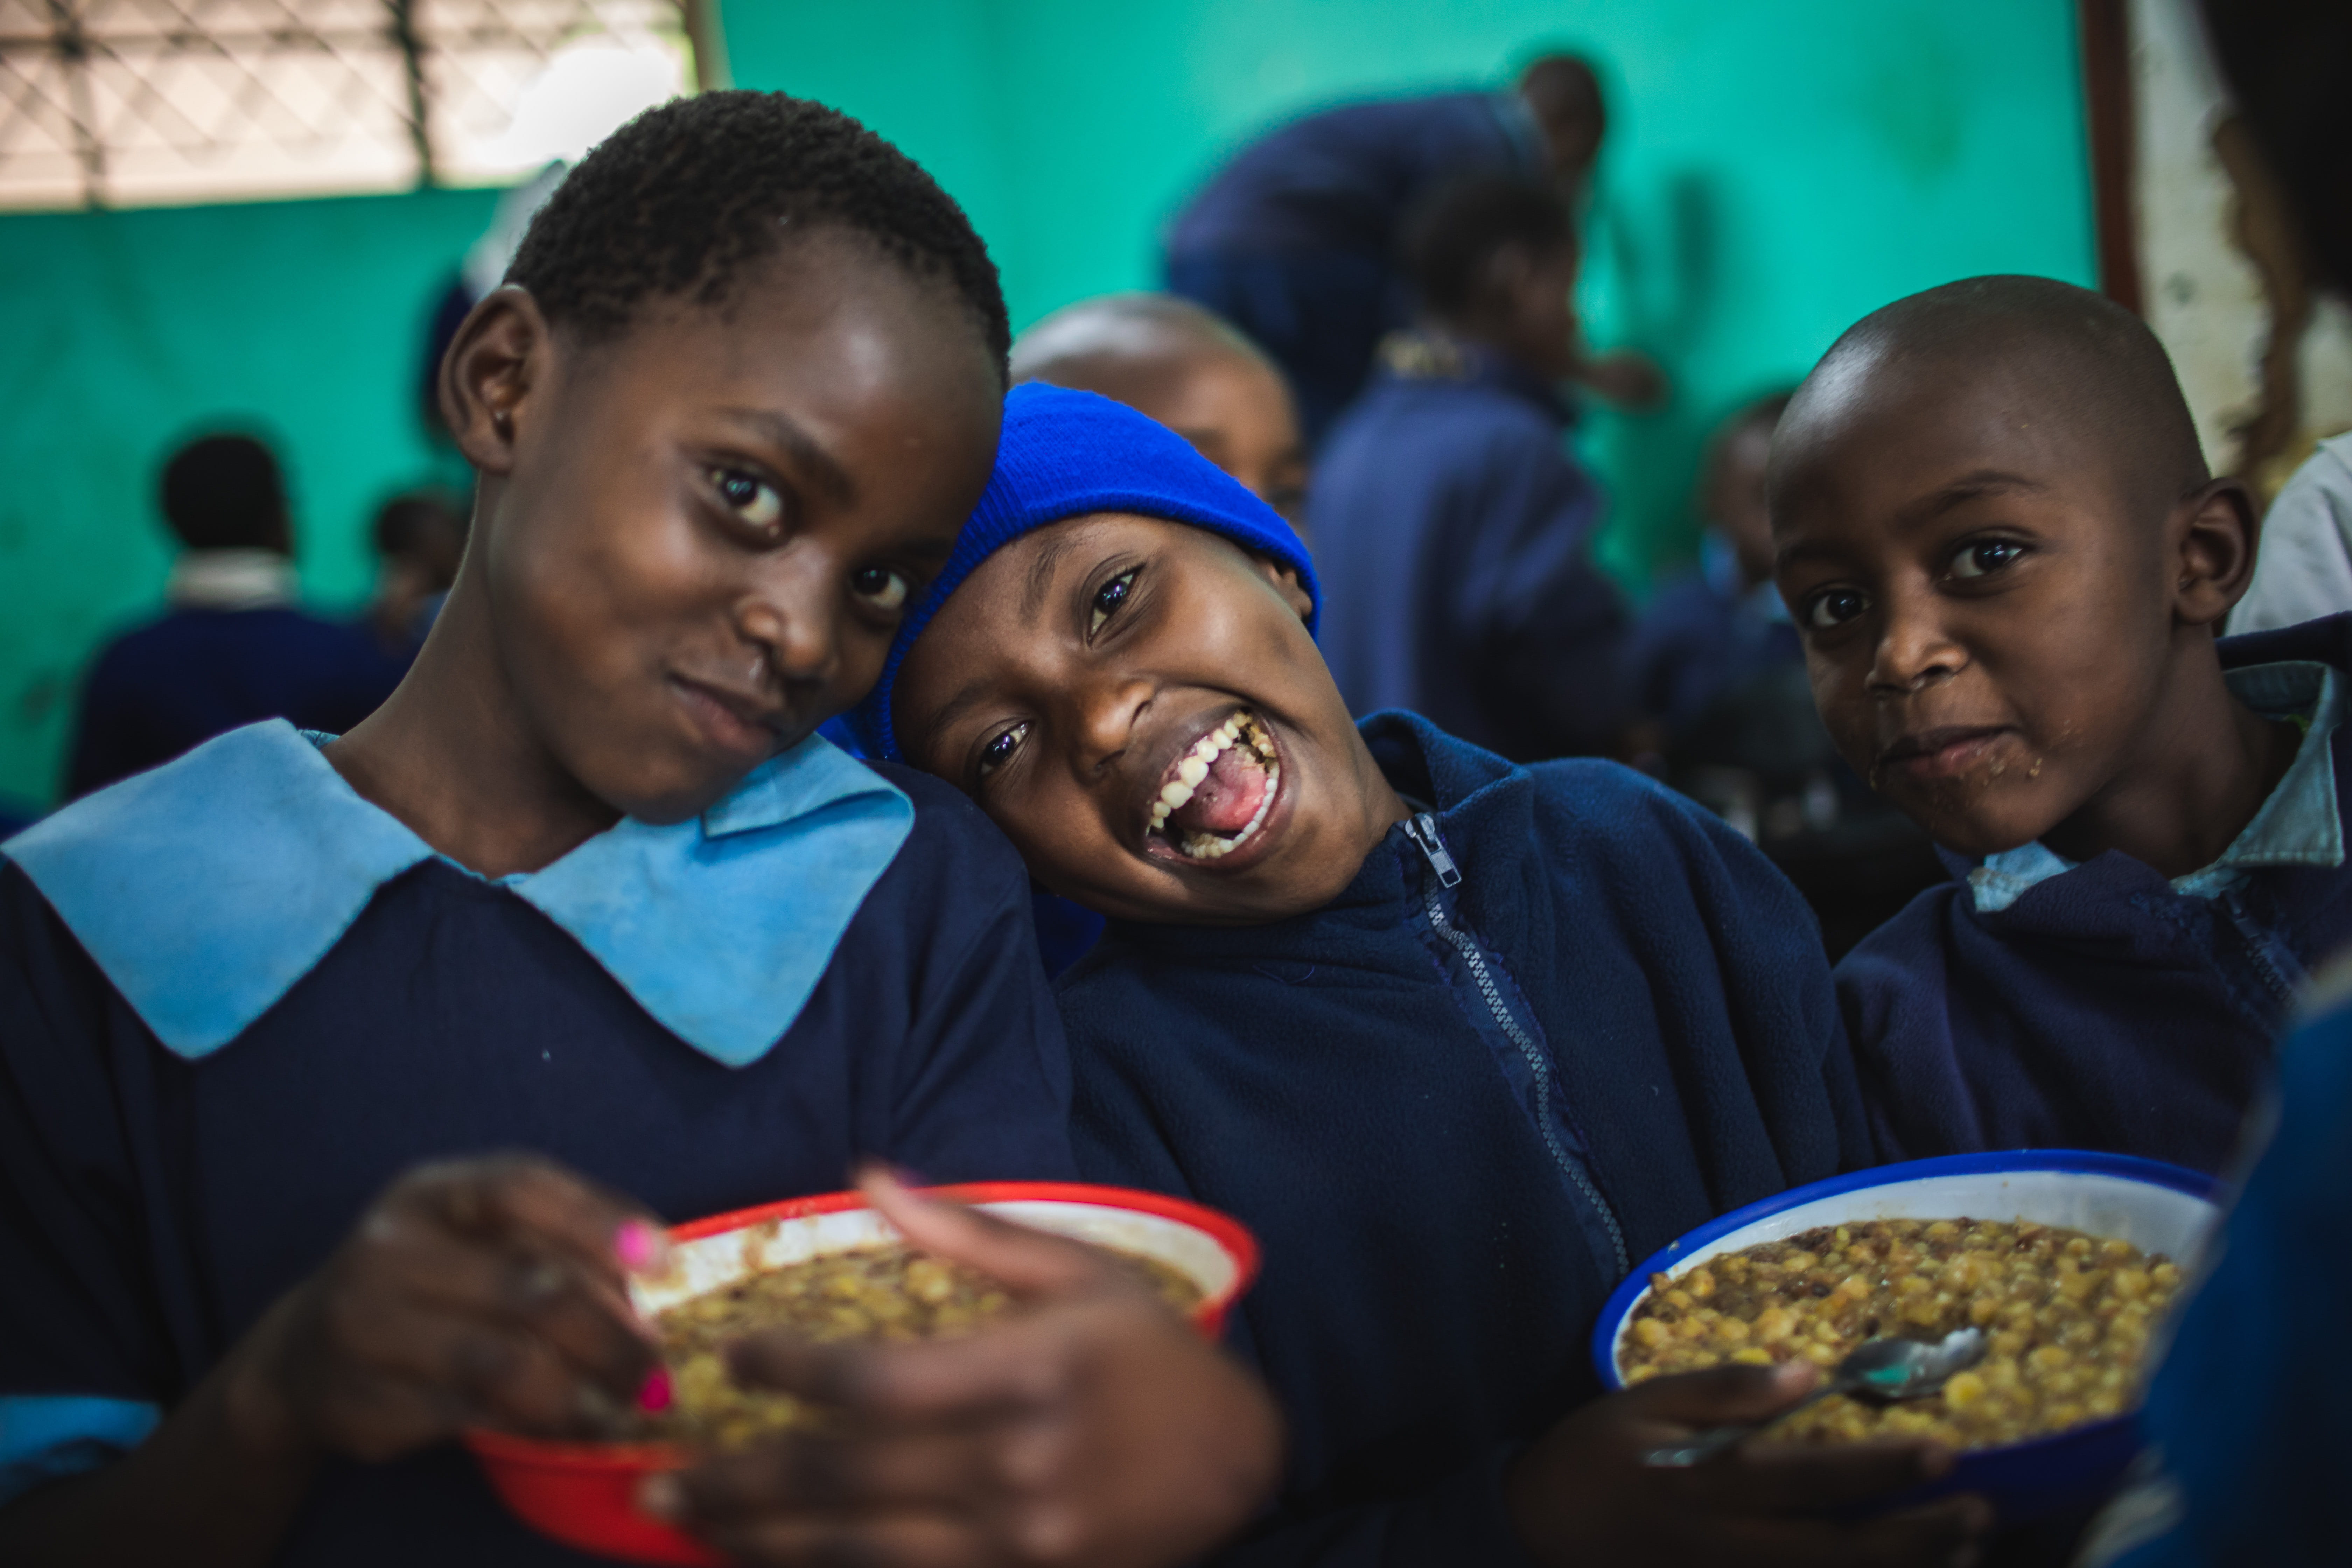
pixel 887 1292
pixel 2067 1315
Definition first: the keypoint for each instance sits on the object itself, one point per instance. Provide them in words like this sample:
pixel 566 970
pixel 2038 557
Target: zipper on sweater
pixel 2272 960
pixel 1421 829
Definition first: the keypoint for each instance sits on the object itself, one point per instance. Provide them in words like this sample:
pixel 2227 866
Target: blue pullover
pixel 1452 533
pixel 1554 1023
pixel 2103 1006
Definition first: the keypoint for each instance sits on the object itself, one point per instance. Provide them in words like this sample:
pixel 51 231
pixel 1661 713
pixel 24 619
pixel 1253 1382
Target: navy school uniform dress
pixel 1557 1020
pixel 2038 1003
pixel 1453 535
pixel 1294 240
pixel 237 1000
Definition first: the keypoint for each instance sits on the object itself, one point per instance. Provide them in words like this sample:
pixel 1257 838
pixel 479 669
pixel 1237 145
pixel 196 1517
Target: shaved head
pixel 1126 346
pixel 2069 359
pixel 1187 368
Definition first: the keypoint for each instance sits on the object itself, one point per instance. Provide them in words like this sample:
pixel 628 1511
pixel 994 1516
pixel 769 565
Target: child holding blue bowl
pixel 274 1017
pixel 1459 1039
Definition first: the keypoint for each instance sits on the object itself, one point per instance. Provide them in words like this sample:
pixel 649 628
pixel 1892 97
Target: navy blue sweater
pixel 2101 1010
pixel 1445 1200
pixel 178 681
pixel 151 1208
pixel 1346 178
pixel 1453 531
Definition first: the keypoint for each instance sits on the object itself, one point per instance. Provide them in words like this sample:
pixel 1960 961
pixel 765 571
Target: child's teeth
pixel 1191 771
pixel 1208 749
pixel 1177 793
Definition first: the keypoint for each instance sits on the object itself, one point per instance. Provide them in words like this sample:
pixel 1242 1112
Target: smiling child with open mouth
pixel 1459 1039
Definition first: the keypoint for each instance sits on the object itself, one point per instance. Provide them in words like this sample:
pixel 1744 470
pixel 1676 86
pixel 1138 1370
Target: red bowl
pixel 584 1494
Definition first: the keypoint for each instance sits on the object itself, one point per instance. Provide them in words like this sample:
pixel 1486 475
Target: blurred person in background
pixel 1174 362
pixel 1452 526
pixel 1703 631
pixel 419 537
pixel 2304 570
pixel 1719 671
pixel 1295 240
pixel 2245 1417
pixel 231 647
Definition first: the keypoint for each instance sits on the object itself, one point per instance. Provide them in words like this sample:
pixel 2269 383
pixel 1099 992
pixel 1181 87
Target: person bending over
pixel 1452 527
pixel 1462 1041
pixel 1997 533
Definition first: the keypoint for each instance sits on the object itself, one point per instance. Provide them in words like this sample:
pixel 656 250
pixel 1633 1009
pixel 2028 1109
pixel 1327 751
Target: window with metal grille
pixel 131 102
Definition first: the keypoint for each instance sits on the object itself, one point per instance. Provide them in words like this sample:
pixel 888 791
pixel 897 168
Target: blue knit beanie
pixel 1066 454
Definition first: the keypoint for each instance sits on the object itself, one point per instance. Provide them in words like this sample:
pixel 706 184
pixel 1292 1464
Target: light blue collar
pixel 207 889
pixel 2299 825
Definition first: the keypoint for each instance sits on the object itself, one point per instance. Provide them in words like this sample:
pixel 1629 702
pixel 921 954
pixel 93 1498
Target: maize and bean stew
pixel 891 1292
pixel 2068 1319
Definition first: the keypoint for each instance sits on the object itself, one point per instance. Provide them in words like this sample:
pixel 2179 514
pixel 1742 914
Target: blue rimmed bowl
pixel 2155 1206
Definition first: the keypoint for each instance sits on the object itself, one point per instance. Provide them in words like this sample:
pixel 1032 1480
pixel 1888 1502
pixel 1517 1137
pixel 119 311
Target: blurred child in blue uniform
pixel 1719 669
pixel 1452 526
pixel 1461 1041
pixel 1997 533
pixel 584 888
pixel 1296 240
pixel 231 648
pixel 1704 632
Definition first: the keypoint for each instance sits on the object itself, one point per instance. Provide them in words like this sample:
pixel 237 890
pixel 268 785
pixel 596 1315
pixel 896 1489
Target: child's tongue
pixel 1226 800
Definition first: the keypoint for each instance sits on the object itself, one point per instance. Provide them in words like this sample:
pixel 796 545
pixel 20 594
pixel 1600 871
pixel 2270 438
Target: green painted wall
pixel 129 330
pixel 1775 170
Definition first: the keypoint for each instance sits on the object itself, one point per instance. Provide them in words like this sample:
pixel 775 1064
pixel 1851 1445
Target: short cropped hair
pixel 2099 371
pixel 677 202
pixel 1450 242
pixel 1114 332
pixel 225 492
pixel 406 522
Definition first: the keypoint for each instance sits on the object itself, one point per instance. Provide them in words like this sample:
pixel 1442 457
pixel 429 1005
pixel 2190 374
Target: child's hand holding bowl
pixel 1096 1425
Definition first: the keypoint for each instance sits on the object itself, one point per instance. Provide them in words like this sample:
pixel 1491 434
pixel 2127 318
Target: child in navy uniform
pixel 582 887
pixel 1451 524
pixel 1462 1041
pixel 1997 532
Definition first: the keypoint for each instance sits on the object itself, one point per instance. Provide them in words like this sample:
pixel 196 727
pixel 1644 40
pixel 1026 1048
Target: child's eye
pixel 1984 557
pixel 748 497
pixel 1108 598
pixel 999 752
pixel 882 588
pixel 1827 611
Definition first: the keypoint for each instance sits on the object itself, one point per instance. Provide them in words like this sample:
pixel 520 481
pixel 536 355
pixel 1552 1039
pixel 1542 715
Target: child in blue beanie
pixel 1461 1041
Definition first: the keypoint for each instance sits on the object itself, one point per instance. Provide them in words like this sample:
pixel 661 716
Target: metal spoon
pixel 1882 1371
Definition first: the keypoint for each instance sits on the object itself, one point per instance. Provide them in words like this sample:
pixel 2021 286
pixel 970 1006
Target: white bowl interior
pixel 712 1261
pixel 2152 1218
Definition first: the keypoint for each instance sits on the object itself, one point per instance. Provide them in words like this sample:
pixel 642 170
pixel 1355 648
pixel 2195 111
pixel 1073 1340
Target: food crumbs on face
pixel 890 1293
pixel 2068 1319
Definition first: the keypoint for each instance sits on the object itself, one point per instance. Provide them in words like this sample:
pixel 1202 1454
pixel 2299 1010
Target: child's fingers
pixel 1014 1365
pixel 1027 1262
pixel 520 1195
pixel 1787 1478
pixel 858 1473
pixel 1721 1396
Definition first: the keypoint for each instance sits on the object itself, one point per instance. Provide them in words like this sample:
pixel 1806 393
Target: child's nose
pixel 1913 650
pixel 1108 713
pixel 798 628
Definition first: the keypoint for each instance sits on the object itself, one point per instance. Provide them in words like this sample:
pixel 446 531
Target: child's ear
pixel 2218 532
pixel 499 355
pixel 1284 578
